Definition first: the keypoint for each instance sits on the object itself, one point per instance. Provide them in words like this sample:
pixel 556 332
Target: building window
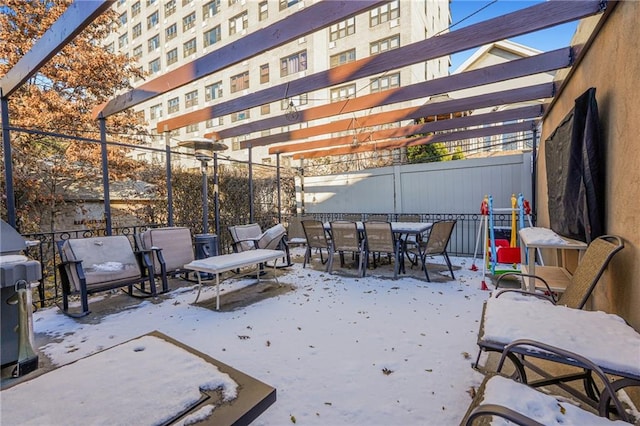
pixel 293 63
pixel 173 105
pixel 153 43
pixel 263 10
pixel 235 144
pixel 151 2
pixel 213 91
pixel 287 3
pixel 294 101
pixel 342 58
pixel 265 109
pixel 186 2
pixel 172 56
pixel 264 73
pixel 135 9
pixel 189 21
pixel 171 32
pixel 191 99
pixel 137 52
pixel 384 83
pixel 212 36
pixel 152 20
pixel 169 8
pixel 154 66
pixel 210 9
pixel 240 115
pixel 238 23
pixel 137 30
pixel 343 92
pixel 266 161
pixel 240 82
pixel 155 112
pixel 123 40
pixel 385 44
pixel 384 13
pixel 342 29
pixel 109 48
pixel 209 123
pixel 123 19
pixel 192 128
pixel 189 47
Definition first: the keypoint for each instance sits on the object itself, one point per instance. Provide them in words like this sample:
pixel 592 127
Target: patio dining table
pixel 402 230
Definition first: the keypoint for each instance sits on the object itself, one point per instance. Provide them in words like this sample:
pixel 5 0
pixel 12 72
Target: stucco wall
pixel 612 66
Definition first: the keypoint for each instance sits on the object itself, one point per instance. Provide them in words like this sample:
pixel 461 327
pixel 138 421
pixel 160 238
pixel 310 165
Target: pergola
pixel 346 115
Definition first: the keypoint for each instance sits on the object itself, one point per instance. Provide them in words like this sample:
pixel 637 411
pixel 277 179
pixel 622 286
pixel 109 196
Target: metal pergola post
pixel 8 163
pixel 279 190
pixel 251 212
pixel 105 173
pixel 167 147
pixel 216 206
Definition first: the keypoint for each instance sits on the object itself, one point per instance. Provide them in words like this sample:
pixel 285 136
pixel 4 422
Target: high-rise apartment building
pixel 164 35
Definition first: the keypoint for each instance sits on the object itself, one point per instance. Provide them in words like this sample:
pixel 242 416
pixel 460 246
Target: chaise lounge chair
pixel 503 398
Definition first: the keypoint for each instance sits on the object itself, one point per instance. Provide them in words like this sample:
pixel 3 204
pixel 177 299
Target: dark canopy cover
pixel 575 172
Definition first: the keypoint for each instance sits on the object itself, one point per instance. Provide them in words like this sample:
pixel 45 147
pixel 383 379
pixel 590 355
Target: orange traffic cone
pixel 484 286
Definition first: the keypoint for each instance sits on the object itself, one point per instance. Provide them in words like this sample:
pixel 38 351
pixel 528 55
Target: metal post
pixel 167 148
pixel 534 153
pixel 250 187
pixel 205 199
pixel 216 206
pixel 302 212
pixel 279 191
pixel 105 173
pixel 8 163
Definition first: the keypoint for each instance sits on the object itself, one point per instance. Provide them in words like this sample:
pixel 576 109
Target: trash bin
pixel 206 245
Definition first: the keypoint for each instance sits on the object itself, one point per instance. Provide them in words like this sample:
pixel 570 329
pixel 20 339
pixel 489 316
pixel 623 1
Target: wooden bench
pixel 227 262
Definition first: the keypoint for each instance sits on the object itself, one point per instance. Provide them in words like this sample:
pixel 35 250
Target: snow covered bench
pixel 227 262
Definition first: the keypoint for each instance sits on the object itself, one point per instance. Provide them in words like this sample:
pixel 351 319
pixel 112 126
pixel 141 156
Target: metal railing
pixel 42 245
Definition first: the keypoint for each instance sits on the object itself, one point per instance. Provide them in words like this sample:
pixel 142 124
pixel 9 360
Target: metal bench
pixel 216 265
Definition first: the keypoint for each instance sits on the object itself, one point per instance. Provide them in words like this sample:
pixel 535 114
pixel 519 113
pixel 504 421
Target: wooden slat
pixel 524 21
pixel 527 112
pixel 544 62
pixel 523 94
pixel 77 17
pixel 442 137
pixel 299 24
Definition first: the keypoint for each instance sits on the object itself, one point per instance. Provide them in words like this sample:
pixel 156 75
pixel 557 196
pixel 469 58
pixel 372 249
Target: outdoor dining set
pixel 412 240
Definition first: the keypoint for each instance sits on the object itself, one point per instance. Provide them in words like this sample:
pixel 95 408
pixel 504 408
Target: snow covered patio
pixel 339 350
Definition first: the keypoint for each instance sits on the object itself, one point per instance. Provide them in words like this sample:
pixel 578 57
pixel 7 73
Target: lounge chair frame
pixel 608 399
pixel 521 355
pixel 594 262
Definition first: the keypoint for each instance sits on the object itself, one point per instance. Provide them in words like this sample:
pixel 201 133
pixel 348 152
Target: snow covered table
pixel 218 264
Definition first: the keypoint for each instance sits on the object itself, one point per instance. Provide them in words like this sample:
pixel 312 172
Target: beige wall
pixel 612 66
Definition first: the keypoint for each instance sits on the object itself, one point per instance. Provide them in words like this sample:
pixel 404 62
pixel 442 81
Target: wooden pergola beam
pixel 544 62
pixel 524 21
pixel 523 94
pixel 299 24
pixel 441 137
pixel 76 18
pixel 523 113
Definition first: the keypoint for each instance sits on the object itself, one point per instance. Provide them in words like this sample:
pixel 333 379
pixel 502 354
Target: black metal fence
pixel 42 246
